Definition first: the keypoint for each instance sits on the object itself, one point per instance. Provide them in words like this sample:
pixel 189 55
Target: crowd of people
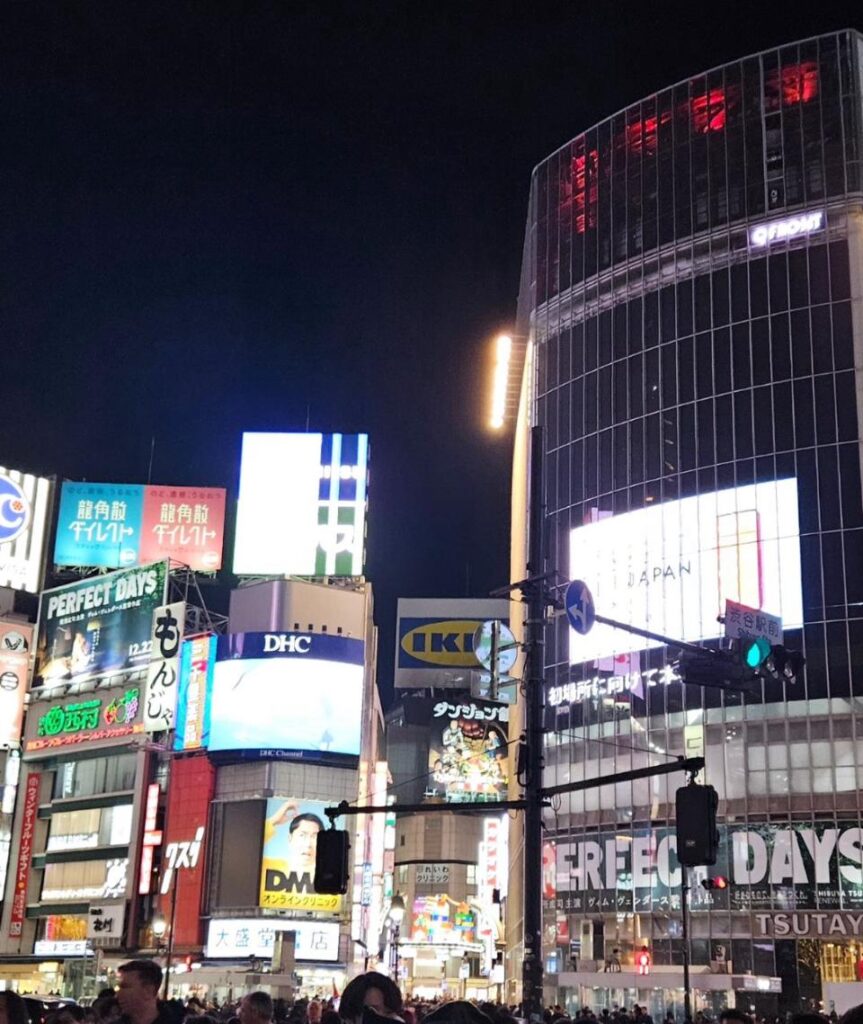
pixel 370 998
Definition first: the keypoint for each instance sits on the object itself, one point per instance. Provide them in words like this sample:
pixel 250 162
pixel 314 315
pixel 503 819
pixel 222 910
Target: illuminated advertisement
pixel 468 751
pixel 197 661
pixel 193 782
pixel 802 866
pixel 287 692
pixel 24 504
pixel 435 638
pixel 84 718
pixel 98 627
pixel 245 937
pixel 114 526
pixel 441 920
pixel 16 639
pixel 160 705
pixel 302 505
pixel 25 854
pixel 671 567
pixel 288 862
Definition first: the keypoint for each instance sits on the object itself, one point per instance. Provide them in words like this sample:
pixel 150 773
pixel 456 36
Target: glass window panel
pixel 822 344
pixel 804 413
pixel 819 275
pixel 798 279
pixel 778 277
pixel 824 410
pixel 758 287
pixel 741 356
pixel 760 351
pixel 722 360
pixel 843 336
pixel 840 277
pixel 780 346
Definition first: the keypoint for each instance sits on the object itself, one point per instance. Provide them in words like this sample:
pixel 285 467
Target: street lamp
pixel 500 381
pixel 397 914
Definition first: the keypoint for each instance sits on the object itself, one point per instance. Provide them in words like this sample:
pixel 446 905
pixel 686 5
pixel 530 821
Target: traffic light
pixel 719 882
pixel 697 838
pixel 332 863
pixel 784 664
pixel 753 653
pixel 710 668
pixel 643 960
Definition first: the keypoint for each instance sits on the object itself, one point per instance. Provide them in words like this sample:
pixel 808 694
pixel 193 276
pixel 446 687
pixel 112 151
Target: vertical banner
pixel 190 790
pixel 25 854
pixel 16 640
pixel 160 705
pixel 197 662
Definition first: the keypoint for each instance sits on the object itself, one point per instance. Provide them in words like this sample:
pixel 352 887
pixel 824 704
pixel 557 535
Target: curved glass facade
pixel 693 289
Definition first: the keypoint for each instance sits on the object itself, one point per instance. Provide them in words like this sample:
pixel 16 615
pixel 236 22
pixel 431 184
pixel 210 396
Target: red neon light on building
pixel 152 838
pixel 709 111
pixel 581 190
pixel 799 83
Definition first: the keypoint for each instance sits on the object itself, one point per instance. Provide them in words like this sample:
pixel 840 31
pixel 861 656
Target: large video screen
pixel 670 568
pixel 290 692
pixel 302 505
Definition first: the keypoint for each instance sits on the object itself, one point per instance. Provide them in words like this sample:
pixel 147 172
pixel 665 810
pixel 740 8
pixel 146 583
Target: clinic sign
pixel 113 526
pixel 98 627
pixel 25 501
pixel 810 867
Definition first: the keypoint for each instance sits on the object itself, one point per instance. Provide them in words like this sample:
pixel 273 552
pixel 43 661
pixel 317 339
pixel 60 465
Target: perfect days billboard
pixel 113 526
pixel 98 627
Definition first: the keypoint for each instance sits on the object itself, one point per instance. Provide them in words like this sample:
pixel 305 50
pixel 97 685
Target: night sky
pixel 218 217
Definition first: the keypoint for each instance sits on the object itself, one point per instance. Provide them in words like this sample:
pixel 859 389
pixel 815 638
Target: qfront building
pixel 692 304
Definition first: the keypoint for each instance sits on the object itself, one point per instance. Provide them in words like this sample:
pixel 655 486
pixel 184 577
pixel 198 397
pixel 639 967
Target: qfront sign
pixel 786 227
pixel 24 504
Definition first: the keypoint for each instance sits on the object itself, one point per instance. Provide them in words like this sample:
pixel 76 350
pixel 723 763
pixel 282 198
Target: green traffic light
pixel 756 652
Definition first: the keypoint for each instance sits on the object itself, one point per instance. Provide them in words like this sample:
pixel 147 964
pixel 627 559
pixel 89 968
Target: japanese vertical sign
pixel 16 639
pixel 161 702
pixel 25 854
pixel 112 526
pixel 197 662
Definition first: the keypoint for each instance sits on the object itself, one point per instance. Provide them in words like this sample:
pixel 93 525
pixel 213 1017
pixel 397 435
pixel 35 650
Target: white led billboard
pixel 25 501
pixel 670 568
pixel 302 505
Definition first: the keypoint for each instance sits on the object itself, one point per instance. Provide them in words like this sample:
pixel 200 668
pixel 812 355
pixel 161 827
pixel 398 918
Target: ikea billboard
pixel 434 640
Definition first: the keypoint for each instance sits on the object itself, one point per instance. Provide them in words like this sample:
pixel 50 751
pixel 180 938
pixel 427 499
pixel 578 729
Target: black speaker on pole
pixel 697 838
pixel 332 863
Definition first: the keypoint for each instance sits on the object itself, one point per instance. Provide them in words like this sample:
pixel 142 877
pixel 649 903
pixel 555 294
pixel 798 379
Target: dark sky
pixel 218 217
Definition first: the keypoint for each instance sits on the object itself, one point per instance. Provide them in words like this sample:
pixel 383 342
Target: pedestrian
pixel 13 1009
pixel 373 990
pixel 138 994
pixel 256 1008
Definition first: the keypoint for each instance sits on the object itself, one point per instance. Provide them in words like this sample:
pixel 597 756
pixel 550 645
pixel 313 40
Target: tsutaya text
pixel 605 686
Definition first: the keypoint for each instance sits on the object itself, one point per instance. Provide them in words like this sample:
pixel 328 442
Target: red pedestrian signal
pixel 715 883
pixel 643 961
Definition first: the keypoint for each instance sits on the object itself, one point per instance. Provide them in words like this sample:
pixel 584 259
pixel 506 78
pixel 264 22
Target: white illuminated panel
pixel 277 513
pixel 670 568
pixel 786 227
pixel 244 937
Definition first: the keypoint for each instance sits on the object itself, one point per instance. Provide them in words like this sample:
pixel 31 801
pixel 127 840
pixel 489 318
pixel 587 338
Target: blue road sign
pixel 580 609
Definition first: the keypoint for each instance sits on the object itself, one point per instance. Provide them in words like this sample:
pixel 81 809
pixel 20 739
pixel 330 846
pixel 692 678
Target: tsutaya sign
pixel 786 227
pixel 812 924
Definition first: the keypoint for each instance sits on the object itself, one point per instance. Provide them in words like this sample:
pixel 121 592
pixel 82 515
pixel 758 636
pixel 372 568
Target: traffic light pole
pixel 532 967
pixel 684 916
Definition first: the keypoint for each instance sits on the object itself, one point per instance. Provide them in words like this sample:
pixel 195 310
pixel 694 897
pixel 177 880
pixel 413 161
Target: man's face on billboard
pixel 304 840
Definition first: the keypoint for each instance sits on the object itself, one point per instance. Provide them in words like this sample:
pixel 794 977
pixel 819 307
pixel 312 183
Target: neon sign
pixel 787 227
pixel 84 716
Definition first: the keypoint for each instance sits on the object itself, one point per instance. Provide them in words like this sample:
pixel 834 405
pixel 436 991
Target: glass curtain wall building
pixel 692 294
